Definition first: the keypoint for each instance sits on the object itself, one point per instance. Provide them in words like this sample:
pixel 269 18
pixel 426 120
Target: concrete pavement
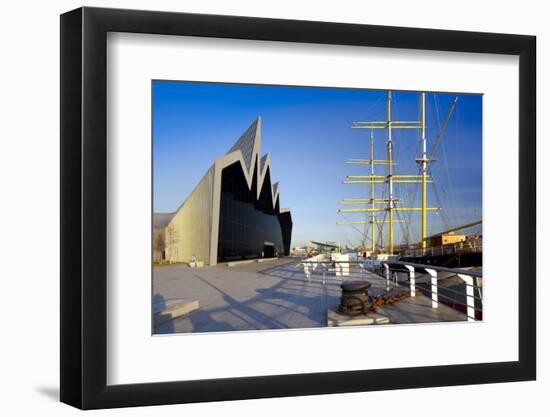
pixel 273 294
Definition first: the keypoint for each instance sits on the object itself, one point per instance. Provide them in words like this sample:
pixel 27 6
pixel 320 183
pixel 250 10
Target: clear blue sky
pixel 307 131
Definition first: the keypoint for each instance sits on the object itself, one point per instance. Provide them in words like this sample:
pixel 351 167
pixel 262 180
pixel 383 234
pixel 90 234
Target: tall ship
pixel 381 203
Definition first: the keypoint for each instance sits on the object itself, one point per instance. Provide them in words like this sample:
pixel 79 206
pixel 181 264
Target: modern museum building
pixel 232 214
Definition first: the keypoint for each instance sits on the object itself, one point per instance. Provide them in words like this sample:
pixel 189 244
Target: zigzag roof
pixel 247 150
pixel 246 142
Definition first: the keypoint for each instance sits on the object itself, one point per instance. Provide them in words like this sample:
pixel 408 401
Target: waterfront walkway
pixel 270 295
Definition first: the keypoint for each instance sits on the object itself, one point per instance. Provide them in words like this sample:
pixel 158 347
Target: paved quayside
pixel 273 294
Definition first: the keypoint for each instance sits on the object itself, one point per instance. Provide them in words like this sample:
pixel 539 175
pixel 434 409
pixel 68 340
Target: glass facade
pixel 250 227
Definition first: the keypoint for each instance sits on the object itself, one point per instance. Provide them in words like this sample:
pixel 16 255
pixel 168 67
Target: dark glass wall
pixel 249 227
pixel 286 227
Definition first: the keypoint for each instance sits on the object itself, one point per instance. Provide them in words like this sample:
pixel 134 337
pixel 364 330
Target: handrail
pixel 467 276
pixel 452 248
pixel 437 268
pixel 425 266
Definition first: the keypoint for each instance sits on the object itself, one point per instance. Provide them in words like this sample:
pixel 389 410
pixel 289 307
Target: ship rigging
pixel 386 208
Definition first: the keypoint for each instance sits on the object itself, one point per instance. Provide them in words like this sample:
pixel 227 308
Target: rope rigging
pixel 404 198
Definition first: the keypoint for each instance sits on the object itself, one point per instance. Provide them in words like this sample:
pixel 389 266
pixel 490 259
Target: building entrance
pixel 269 250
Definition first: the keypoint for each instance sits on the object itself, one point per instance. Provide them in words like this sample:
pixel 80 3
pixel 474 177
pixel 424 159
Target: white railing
pixel 450 249
pixel 472 280
pixel 311 265
pixel 390 272
pixel 335 262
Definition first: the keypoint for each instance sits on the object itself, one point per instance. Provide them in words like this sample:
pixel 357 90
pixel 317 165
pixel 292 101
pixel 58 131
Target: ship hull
pixel 462 260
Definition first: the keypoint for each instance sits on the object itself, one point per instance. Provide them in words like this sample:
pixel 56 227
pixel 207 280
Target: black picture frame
pixel 84 207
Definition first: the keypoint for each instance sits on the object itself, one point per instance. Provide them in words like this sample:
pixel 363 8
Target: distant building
pixel 297 251
pixel 445 239
pixel 232 214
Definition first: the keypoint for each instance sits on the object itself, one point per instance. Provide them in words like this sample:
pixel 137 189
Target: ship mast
pixel 373 221
pixel 424 167
pixel 372 194
pixel 390 179
pixel 390 172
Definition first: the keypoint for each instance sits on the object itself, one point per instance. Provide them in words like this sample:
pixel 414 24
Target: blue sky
pixel 307 132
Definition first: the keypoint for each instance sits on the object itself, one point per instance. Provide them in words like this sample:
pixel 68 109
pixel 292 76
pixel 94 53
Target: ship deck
pixel 274 294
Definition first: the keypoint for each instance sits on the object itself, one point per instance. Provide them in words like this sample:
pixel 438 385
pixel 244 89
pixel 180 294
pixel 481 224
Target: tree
pixel 160 245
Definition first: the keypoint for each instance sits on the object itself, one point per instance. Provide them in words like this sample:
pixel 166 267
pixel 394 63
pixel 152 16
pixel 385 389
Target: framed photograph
pixel 259 208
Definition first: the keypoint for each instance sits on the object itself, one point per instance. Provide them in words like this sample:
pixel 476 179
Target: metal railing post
pixel 470 313
pixel 472 279
pixel 433 275
pixel 387 276
pixel 478 282
pixel 307 271
pixel 412 280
